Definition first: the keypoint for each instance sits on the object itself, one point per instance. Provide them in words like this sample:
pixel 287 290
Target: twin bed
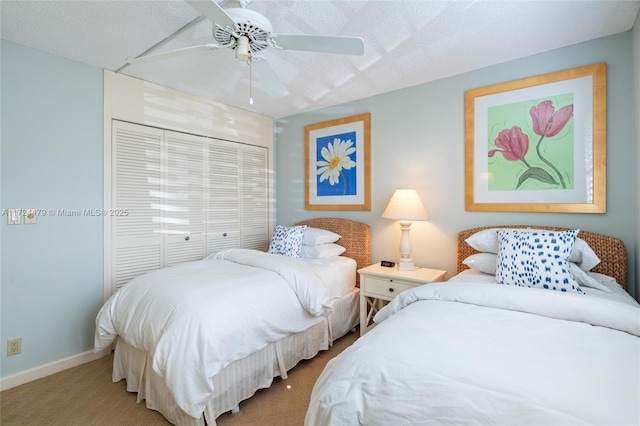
pixel 196 339
pixel 470 351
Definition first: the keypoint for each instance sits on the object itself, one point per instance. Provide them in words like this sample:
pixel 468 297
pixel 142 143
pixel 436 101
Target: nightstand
pixel 379 284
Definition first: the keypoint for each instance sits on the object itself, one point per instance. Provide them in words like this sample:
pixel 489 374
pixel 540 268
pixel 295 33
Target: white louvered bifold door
pixel 187 196
pixel 136 188
pixel 255 198
pixel 223 207
pixel 183 198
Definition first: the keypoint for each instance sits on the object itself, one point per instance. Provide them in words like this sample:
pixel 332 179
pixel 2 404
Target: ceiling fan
pixel 248 32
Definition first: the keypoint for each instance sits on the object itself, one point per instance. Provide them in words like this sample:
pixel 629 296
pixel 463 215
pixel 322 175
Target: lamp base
pixel 406 266
pixel 406 262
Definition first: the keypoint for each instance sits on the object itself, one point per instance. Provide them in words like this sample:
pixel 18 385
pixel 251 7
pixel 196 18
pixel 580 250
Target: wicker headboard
pixel 610 250
pixel 356 238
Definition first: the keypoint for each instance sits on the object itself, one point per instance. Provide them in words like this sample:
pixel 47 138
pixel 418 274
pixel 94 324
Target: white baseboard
pixel 49 369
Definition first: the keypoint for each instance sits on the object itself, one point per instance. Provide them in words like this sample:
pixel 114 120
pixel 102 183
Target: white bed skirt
pixel 241 379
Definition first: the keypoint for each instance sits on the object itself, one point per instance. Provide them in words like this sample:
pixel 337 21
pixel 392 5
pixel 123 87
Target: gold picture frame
pixel 538 144
pixel 337 161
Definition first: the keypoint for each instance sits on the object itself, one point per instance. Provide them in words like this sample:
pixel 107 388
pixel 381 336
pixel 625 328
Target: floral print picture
pixel 337 164
pixel 336 168
pixel 531 145
pixel 538 144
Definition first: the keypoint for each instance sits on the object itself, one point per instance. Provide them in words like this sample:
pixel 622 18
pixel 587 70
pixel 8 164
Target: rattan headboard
pixel 610 250
pixel 356 238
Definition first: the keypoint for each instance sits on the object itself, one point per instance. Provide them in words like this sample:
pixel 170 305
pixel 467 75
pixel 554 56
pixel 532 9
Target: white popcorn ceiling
pixel 406 42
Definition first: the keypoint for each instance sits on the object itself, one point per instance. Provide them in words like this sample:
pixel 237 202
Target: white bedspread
pixel 478 353
pixel 338 272
pixel 197 317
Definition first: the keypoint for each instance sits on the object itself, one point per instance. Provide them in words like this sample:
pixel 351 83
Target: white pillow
pixel 483 262
pixel 317 236
pixel 322 251
pixel 287 240
pixel 536 259
pixel 585 280
pixel 486 241
pixel 583 255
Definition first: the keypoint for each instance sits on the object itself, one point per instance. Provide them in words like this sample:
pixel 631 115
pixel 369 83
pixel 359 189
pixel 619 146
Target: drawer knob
pixel 390 289
pixel 186 238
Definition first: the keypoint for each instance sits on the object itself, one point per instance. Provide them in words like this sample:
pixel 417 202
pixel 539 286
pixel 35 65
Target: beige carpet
pixel 85 396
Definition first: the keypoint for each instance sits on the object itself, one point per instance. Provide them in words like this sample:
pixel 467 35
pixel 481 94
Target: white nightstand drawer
pixel 386 288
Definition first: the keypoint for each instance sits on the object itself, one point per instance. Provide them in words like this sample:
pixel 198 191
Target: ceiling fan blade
pixel 171 53
pixel 326 44
pixel 269 79
pixel 213 12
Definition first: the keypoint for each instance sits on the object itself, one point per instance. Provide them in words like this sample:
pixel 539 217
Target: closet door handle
pixel 186 238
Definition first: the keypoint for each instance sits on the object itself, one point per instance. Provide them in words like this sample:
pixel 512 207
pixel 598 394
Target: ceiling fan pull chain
pixel 250 83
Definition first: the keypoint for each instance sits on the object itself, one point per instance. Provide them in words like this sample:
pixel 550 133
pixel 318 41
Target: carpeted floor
pixel 86 396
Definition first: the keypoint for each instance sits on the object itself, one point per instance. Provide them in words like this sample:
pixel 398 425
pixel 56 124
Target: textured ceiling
pixel 406 42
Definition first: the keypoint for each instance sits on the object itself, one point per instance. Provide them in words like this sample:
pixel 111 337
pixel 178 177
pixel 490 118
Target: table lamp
pixel 405 205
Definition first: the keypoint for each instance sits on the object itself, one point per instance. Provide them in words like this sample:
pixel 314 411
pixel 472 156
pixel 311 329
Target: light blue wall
pixel 51 158
pixel 417 140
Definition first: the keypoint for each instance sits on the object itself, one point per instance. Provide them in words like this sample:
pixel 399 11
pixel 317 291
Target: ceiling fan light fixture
pixel 243 52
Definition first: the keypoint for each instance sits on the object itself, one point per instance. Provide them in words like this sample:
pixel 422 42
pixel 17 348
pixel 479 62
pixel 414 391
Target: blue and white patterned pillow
pixel 287 240
pixel 536 259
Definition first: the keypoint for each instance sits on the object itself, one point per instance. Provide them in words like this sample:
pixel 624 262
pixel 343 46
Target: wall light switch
pixel 13 217
pixel 30 218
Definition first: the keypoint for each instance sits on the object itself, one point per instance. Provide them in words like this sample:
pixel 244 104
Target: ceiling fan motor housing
pixel 250 24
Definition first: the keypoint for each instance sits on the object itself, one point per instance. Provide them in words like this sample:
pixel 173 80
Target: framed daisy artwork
pixel 538 144
pixel 338 164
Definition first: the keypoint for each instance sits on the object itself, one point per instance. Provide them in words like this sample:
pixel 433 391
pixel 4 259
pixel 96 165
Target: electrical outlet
pixel 14 346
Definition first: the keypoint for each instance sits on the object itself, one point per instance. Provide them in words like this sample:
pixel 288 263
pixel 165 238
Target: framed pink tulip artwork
pixel 338 164
pixel 538 144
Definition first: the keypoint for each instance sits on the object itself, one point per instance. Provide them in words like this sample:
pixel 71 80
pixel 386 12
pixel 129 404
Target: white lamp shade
pixel 405 204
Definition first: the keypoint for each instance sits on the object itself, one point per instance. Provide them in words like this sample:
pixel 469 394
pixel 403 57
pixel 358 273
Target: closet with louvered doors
pixel 186 196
